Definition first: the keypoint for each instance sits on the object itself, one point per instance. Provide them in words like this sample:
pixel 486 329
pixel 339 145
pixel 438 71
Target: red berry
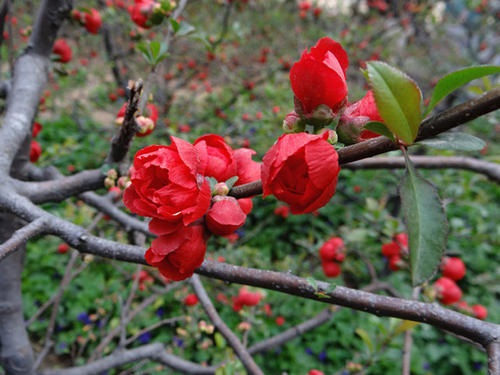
pixel 190 300
pixel 280 320
pixel 453 268
pixel 63 248
pixel 447 291
pixel 480 311
pixel 390 249
pixel 331 269
pixel 315 372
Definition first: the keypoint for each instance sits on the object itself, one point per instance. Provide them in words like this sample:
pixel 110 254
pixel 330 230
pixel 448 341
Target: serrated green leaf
pixel 457 79
pixel 398 100
pixel 454 141
pixel 366 338
pixel 425 222
pixel 379 128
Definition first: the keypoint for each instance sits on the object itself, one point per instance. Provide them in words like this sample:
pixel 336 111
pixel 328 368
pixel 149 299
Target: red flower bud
pixel 447 291
pixel 301 169
pixel 225 216
pixel 453 268
pixel 319 77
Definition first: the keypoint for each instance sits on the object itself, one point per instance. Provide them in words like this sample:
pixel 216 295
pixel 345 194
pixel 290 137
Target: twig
pixel 489 169
pixel 22 235
pixel 155 352
pixel 408 341
pixel 121 143
pixel 234 342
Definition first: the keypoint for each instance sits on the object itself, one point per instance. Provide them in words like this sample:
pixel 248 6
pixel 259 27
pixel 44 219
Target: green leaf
pixel 398 100
pixel 454 141
pixel 175 25
pixel 379 128
pixel 231 181
pixel 153 51
pixel 184 29
pixel 404 326
pixel 366 338
pixel 425 222
pixel 457 79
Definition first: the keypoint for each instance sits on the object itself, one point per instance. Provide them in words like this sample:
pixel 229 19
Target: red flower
pixel 331 269
pixel 178 254
pixel 35 151
pixel 93 21
pixel 141 11
pixel 356 116
pixel 480 312
pixel 37 128
pixel 453 268
pixel 247 169
pixel 191 300
pixel 225 216
pixel 63 50
pixel 224 162
pixel 221 164
pixel 245 298
pixel 447 291
pixel 319 77
pixel 168 183
pixel 332 250
pixel 301 169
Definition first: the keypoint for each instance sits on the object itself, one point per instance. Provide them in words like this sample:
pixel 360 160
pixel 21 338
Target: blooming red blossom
pixel 301 169
pixel 179 253
pixel 168 183
pixel 319 77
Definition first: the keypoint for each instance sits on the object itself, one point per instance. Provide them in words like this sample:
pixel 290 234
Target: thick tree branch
pixel 232 339
pixel 482 332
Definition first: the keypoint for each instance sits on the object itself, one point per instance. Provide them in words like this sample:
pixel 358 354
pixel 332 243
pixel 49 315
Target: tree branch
pixel 242 353
pixel 20 237
pixel 155 352
pixel 479 331
pixel 491 170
